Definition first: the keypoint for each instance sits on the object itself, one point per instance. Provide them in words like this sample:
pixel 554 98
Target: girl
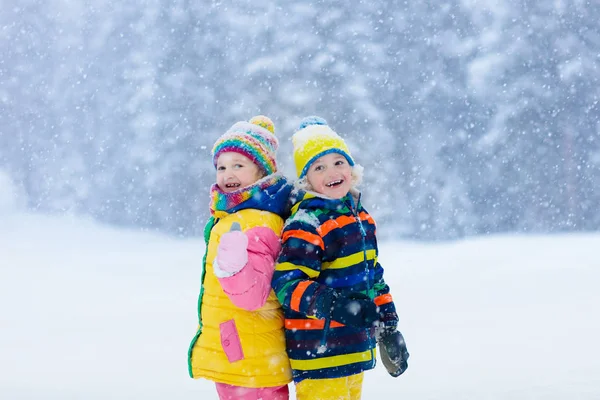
pixel 327 277
pixel 240 342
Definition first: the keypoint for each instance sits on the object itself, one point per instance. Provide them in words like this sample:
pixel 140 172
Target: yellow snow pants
pixel 346 388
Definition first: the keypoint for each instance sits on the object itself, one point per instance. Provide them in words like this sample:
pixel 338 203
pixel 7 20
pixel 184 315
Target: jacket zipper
pixel 363 235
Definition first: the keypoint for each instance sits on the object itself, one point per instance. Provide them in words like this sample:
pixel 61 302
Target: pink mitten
pixel 232 253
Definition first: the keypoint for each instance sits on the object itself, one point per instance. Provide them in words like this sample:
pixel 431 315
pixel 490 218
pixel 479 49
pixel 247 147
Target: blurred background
pixel 470 117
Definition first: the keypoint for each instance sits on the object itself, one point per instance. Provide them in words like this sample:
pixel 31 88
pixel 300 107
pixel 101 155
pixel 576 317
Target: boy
pixel 336 302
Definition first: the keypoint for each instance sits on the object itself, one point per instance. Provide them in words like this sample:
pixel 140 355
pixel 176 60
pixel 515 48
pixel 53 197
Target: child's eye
pixel 238 166
pixel 220 168
pixel 319 168
pixel 339 162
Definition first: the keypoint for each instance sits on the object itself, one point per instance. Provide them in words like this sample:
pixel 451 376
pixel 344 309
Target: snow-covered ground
pixel 93 312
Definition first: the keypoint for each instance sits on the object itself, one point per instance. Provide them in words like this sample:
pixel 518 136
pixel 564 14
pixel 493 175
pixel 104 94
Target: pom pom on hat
pixel 254 139
pixel 314 139
pixel 263 121
pixel 312 120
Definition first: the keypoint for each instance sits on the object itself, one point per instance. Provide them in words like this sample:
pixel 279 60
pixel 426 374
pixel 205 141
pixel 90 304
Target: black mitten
pixel 355 309
pixel 392 350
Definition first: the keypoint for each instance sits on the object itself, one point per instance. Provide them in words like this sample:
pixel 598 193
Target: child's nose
pixel 229 175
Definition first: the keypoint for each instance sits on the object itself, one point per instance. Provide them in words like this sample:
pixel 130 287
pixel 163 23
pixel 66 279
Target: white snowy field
pixel 92 312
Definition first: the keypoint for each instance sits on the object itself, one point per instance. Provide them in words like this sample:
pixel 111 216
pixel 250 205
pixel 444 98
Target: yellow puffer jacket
pixel 263 362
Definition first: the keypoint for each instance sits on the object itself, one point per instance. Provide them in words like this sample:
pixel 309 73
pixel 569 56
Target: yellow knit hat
pixel 314 139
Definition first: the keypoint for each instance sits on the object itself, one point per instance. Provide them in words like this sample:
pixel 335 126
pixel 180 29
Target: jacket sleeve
pixel 383 299
pixel 299 263
pixel 250 287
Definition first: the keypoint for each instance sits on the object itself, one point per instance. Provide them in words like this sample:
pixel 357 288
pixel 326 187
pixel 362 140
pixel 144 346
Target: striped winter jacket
pixel 328 245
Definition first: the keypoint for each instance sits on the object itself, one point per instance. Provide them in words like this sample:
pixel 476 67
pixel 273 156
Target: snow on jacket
pixel 329 244
pixel 240 339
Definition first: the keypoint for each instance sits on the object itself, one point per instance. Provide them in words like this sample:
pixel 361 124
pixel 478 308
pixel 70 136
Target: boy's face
pixel 330 175
pixel 235 171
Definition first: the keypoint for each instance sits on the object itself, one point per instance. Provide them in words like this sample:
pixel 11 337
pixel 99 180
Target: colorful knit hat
pixel 254 139
pixel 314 139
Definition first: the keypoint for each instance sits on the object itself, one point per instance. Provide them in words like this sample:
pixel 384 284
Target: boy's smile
pixel 236 171
pixel 330 175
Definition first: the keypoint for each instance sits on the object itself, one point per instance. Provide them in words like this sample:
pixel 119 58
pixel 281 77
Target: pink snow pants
pixel 230 392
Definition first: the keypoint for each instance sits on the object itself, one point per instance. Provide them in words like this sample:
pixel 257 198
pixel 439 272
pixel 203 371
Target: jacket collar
pixel 304 199
pixel 270 193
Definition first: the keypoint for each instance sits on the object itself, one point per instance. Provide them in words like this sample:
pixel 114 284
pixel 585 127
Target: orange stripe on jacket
pixel 342 221
pixel 331 224
pixel 366 217
pixel 309 324
pixel 308 237
pixel 383 299
pixel 297 295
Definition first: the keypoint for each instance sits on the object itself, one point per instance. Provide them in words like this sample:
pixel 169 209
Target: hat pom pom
pixel 264 121
pixel 312 120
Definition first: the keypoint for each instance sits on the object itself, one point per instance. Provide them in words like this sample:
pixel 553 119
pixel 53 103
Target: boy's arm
pixel 383 299
pixel 299 263
pixel 249 286
pixel 392 347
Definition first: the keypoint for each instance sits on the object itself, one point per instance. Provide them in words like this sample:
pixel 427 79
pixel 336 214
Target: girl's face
pixel 236 171
pixel 330 175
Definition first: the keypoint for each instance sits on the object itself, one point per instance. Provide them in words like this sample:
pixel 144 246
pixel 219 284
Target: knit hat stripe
pixel 257 131
pixel 251 144
pixel 321 154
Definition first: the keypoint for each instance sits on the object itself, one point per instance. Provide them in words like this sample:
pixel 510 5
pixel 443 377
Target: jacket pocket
pixel 230 341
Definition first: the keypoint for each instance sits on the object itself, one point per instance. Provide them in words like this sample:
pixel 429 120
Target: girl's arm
pixel 249 287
